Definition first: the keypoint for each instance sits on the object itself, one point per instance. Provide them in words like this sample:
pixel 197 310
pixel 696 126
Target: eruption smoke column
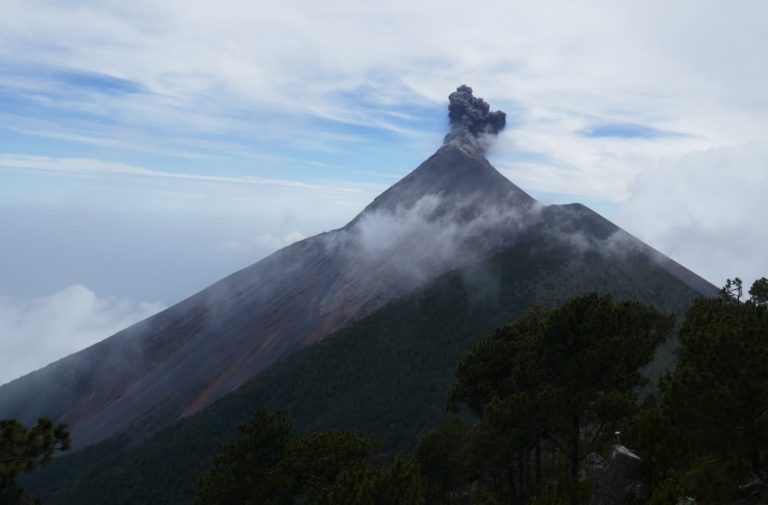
pixel 471 120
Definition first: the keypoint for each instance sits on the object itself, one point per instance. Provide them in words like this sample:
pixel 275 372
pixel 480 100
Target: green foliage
pixel 652 434
pixel 22 449
pixel 245 469
pixel 732 291
pixel 709 430
pixel 314 462
pixel 397 484
pixel 669 491
pixel 759 291
pixel 593 346
pixel 268 464
pixel 568 374
pixel 719 391
pixel 712 480
pixel 722 377
pixel 506 362
pixel 444 462
pixel 386 375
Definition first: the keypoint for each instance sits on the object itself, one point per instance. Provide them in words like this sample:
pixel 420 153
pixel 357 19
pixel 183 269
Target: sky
pixel 149 148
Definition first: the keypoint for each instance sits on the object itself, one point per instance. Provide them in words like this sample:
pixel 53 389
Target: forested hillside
pixel 386 375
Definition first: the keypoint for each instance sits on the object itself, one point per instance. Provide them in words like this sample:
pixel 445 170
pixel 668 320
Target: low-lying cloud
pixel 706 210
pixel 417 242
pixel 36 332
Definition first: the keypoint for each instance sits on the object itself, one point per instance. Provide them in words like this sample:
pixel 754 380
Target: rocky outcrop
pixel 755 491
pixel 616 480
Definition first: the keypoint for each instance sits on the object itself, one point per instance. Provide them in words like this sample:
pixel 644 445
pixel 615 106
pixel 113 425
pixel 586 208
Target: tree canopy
pixel 22 449
pixel 541 393
pixel 566 375
pixel 709 430
pixel 759 291
pixel 270 464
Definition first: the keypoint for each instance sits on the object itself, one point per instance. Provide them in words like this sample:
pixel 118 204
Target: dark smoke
pixel 471 119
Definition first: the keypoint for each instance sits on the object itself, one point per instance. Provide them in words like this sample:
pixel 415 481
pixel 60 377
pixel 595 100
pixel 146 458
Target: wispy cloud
pixel 626 130
pixel 643 65
pixel 264 244
pixel 92 166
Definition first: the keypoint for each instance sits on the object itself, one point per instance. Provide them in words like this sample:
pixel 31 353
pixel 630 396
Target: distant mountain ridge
pixel 455 209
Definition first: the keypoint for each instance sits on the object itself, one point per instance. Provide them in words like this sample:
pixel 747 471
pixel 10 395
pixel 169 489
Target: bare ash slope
pixel 178 361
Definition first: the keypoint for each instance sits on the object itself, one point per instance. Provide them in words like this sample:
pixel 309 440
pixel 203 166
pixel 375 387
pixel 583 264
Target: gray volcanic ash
pixel 472 121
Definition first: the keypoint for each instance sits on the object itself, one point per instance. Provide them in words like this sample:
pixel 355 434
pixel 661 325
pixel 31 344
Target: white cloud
pixel 706 210
pixel 579 165
pixel 263 244
pixel 36 332
pixel 94 166
pixel 689 67
pixel 107 185
pixel 268 71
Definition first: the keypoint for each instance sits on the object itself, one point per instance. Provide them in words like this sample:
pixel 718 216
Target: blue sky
pixel 147 150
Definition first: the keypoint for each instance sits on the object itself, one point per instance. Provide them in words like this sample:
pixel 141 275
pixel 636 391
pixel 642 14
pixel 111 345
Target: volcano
pixel 450 213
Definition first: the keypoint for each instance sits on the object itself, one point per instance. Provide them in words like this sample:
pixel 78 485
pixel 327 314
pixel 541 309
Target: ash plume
pixel 472 121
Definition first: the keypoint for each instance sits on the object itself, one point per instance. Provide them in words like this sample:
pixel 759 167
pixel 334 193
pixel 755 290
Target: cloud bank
pixel 707 210
pixel 36 332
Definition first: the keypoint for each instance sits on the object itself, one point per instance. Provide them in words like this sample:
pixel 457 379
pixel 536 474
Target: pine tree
pixel 22 449
pixel 567 374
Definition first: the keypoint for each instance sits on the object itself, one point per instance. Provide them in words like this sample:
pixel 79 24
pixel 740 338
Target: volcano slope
pixel 386 375
pixel 453 210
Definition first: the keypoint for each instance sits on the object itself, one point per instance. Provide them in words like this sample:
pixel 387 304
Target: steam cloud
pixel 471 119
